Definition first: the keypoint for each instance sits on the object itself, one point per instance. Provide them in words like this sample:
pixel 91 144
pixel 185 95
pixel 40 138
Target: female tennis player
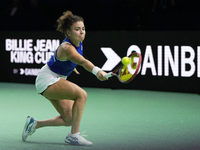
pixel 67 98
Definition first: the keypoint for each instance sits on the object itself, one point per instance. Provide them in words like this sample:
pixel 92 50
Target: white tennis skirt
pixel 45 78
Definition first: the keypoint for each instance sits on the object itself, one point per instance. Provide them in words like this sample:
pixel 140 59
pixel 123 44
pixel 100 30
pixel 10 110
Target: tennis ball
pixel 126 60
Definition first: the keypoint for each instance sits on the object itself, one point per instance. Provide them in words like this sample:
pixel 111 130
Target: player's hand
pixel 76 71
pixel 101 75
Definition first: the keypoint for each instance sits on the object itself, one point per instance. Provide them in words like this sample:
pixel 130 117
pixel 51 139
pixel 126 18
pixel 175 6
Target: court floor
pixel 112 119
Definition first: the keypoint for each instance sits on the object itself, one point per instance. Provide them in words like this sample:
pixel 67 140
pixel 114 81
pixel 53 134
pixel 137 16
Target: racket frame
pixel 113 73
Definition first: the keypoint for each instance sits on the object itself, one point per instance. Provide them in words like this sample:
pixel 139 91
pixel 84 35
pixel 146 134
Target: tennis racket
pixel 126 73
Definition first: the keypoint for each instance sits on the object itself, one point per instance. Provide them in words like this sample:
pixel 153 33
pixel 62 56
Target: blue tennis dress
pixel 64 67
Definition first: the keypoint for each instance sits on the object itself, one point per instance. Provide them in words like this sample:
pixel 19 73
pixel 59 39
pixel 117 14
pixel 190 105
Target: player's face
pixel 77 32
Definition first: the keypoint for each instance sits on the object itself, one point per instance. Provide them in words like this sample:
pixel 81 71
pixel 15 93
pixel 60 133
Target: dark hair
pixel 66 21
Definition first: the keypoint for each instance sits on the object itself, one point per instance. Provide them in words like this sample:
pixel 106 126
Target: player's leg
pixel 64 107
pixel 64 89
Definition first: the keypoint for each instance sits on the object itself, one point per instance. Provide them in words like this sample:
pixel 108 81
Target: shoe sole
pixel 76 143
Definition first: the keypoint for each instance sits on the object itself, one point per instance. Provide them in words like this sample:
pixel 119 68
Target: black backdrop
pixel 178 50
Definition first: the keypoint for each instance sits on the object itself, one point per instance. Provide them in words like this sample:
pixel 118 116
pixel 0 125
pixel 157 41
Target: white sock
pixel 75 134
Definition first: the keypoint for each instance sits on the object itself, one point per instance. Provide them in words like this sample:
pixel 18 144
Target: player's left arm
pixel 75 57
pixel 76 71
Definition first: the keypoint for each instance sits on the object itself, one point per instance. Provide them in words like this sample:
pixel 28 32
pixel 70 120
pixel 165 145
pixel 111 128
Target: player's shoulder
pixel 66 46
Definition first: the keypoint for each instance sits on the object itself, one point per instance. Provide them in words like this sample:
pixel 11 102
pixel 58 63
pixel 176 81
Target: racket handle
pixel 108 75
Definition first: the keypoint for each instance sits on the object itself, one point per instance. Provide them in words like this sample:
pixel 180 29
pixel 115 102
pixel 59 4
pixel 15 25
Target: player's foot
pixel 29 128
pixel 77 139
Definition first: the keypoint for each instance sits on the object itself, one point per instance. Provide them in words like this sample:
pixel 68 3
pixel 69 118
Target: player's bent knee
pixel 85 94
pixel 67 119
pixel 82 96
pixel 68 122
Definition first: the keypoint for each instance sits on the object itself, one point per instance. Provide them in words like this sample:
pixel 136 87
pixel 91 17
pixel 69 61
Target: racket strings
pixel 128 72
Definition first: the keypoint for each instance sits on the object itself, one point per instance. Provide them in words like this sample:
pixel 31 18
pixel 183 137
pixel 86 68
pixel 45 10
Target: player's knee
pixel 68 122
pixel 67 117
pixel 83 96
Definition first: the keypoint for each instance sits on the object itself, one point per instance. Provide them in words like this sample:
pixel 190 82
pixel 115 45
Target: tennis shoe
pixel 77 139
pixel 29 128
